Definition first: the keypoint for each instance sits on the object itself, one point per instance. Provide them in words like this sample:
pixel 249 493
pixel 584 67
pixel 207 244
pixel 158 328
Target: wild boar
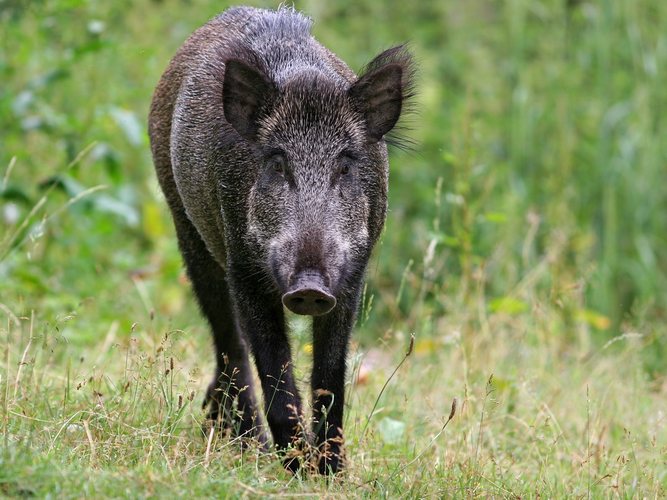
pixel 272 155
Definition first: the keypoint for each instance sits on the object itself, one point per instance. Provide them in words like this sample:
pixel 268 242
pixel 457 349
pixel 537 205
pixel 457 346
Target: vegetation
pixel 525 250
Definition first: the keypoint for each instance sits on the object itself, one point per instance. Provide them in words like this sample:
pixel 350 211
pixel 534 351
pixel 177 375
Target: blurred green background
pixel 537 179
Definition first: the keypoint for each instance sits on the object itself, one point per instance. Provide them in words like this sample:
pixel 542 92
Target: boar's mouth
pixel 308 294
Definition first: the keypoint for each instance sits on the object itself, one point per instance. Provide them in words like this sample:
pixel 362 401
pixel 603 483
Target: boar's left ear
pixel 246 93
pixel 382 90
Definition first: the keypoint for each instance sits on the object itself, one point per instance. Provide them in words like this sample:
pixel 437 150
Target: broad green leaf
pixel 127 121
pixel 391 430
pixel 508 305
pixel 593 318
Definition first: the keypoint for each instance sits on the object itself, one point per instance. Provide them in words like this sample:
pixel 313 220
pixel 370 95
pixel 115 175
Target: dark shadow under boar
pixel 271 154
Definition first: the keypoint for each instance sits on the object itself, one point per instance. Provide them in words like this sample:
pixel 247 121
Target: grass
pixel 535 415
pixel 524 250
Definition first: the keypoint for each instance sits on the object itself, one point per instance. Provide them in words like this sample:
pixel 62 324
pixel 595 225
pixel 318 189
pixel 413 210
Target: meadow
pixel 522 272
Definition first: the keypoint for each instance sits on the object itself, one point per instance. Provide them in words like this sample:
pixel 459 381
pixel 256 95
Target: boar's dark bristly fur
pixel 272 156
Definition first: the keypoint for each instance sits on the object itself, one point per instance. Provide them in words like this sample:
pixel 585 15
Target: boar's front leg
pixel 330 341
pixel 232 382
pixel 261 317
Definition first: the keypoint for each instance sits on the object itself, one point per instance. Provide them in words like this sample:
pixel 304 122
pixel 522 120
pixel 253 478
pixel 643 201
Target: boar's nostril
pixel 308 295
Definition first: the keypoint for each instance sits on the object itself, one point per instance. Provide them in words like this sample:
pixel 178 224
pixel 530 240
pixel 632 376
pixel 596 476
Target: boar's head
pixel 318 201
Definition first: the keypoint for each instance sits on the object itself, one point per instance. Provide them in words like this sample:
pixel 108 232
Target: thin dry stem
pixel 377 400
pixel 207 455
pixel 93 455
pixel 25 354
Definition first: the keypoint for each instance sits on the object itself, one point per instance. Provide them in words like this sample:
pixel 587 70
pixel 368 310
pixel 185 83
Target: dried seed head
pixel 452 412
pixel 411 346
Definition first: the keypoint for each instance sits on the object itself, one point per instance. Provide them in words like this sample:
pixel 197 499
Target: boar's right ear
pixel 382 90
pixel 246 93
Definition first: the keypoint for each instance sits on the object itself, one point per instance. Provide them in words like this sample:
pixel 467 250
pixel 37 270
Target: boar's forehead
pixel 313 120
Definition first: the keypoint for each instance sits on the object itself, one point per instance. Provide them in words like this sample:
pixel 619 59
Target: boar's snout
pixel 309 295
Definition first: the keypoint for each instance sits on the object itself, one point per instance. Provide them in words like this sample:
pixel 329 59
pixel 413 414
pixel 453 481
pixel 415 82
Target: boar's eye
pixel 345 162
pixel 278 163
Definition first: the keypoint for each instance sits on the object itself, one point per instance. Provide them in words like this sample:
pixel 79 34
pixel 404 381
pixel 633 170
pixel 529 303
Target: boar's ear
pixel 381 91
pixel 246 93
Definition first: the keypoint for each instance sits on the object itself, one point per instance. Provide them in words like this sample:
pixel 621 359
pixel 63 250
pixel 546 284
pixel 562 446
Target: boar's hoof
pixel 330 464
pixel 308 295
